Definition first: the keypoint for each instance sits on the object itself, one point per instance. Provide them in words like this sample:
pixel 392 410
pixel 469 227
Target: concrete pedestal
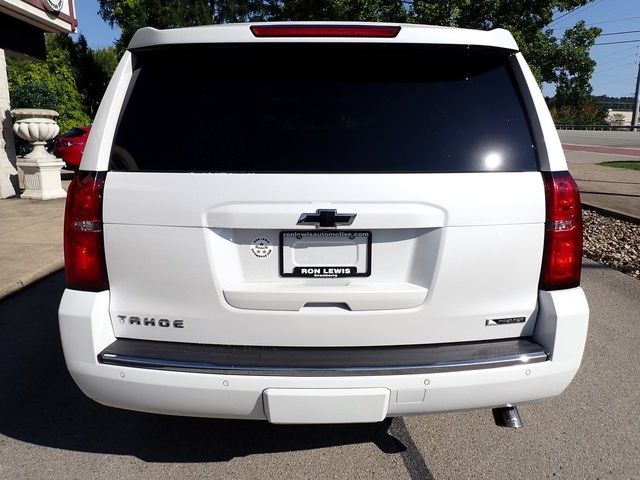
pixel 41 169
pixel 42 178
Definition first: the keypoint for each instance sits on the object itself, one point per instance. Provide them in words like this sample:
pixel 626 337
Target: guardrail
pixel 617 128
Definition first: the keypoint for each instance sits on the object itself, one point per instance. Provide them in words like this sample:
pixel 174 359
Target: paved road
pixel 608 139
pixel 612 189
pixel 49 430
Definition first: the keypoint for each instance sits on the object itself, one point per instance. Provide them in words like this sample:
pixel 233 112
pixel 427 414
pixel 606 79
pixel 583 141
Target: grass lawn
pixel 633 164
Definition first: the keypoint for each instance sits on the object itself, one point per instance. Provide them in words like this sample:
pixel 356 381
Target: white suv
pixel 322 223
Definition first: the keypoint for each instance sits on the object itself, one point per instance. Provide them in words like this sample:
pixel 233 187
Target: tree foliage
pixel 130 15
pixel 75 75
pixel 107 58
pixel 33 94
pixel 56 76
pixel 589 112
pixel 616 103
pixel 563 61
pixel 574 68
pixel 92 69
pixel 347 10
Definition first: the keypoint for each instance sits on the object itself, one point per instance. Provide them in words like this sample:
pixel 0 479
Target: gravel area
pixel 612 242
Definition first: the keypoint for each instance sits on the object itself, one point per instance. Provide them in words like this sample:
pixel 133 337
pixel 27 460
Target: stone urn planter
pixel 41 169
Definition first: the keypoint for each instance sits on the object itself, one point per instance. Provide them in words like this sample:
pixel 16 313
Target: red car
pixel 70 146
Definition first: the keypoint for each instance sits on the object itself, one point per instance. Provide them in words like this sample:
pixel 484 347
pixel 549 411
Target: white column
pixel 7 147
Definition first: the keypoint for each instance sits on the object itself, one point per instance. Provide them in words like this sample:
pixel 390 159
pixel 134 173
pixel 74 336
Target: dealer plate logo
pixel 261 247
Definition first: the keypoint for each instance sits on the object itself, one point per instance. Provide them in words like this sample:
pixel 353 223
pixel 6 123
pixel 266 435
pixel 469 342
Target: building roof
pixel 47 15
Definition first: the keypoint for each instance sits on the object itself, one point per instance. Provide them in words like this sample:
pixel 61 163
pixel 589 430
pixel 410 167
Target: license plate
pixel 325 253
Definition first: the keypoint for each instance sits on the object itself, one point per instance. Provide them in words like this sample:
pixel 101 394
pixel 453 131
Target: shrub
pixel 32 94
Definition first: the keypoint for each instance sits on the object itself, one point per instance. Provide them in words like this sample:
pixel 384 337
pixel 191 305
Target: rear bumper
pixel 322 361
pixel 279 396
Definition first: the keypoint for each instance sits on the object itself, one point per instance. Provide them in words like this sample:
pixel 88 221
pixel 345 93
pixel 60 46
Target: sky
pixel 97 32
pixel 614 75
pixel 617 64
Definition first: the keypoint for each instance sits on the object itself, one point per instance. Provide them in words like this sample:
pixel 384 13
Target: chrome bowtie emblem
pixel 326 218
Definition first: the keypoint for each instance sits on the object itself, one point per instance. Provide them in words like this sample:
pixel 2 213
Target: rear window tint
pixel 323 108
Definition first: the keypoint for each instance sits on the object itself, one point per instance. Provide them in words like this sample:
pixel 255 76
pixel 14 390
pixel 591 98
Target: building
pixel 23 24
pixel 619 117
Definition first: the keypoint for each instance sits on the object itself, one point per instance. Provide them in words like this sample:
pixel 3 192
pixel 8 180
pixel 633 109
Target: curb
pixel 6 290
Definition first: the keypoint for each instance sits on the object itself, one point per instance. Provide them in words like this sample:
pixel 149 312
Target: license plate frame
pixel 328 234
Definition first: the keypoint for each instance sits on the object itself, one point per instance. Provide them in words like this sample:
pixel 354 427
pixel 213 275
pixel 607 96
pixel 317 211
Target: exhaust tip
pixel 507 417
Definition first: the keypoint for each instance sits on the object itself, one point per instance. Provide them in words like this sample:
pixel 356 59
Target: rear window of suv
pixel 282 108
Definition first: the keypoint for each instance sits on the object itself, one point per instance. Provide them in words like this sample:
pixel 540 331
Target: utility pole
pixel 634 115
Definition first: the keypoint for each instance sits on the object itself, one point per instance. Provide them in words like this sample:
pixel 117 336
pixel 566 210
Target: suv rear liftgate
pixel 220 229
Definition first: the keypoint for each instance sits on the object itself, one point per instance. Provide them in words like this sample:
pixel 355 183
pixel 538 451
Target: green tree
pixel 56 76
pixel 130 15
pixel 589 112
pixel 92 69
pixel 32 94
pixel 347 10
pixel 575 66
pixel 564 62
pixel 107 58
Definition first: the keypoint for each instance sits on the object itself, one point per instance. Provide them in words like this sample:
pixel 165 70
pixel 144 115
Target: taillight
pixel 84 261
pixel 562 259
pixel 371 31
